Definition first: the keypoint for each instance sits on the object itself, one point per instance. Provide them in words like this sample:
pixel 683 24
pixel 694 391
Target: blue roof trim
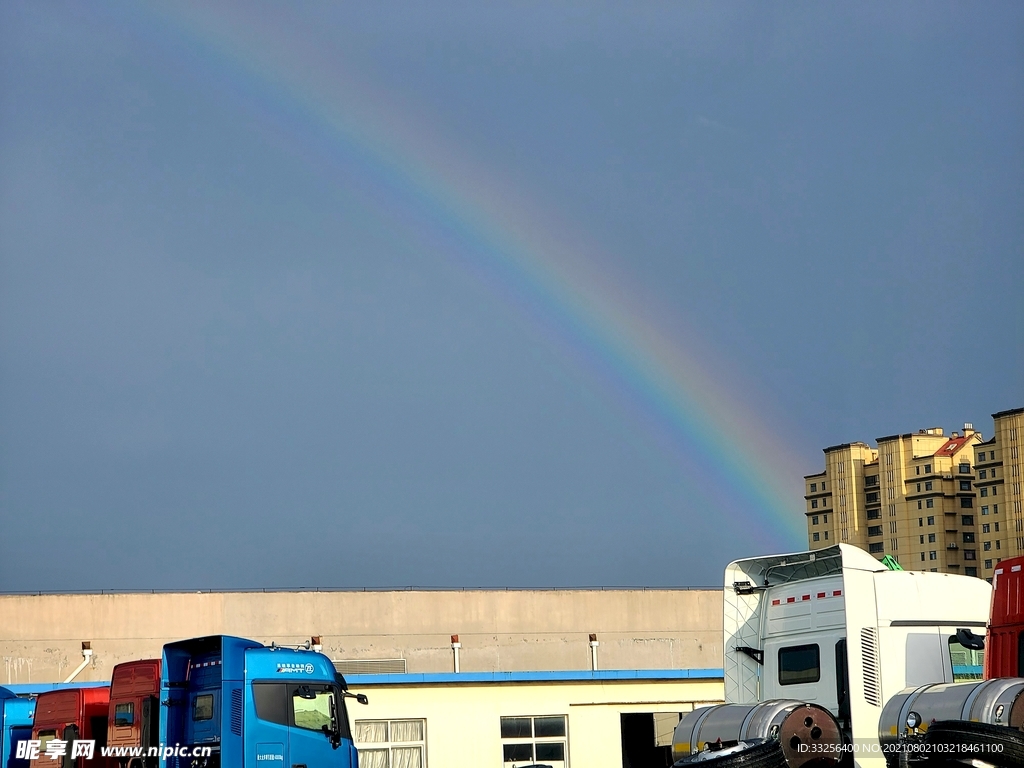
pixel 561 676
pixel 23 688
pixel 426 678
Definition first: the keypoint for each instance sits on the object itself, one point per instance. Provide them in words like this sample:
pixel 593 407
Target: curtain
pixel 373 758
pixel 371 731
pixel 406 757
pixel 406 730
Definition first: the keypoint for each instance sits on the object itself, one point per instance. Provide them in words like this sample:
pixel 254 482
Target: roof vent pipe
pixel 456 645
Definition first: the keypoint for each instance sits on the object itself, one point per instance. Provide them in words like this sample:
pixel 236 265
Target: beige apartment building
pixel 911 497
pixel 997 463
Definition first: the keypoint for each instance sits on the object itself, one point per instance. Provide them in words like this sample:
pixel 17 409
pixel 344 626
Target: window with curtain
pixel 391 743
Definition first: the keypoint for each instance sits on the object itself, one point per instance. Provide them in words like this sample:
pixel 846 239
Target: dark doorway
pixel 638 743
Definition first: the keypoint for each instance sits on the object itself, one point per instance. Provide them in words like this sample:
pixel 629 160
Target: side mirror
pixel 969 640
pixel 362 698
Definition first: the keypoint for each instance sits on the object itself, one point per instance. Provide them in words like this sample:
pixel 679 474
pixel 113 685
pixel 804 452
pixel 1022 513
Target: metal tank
pixel 908 714
pixel 806 731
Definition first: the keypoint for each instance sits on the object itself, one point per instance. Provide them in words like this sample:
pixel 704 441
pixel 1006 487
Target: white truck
pixel 817 642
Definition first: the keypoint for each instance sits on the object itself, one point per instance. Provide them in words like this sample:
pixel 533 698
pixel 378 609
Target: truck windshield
pixel 314 713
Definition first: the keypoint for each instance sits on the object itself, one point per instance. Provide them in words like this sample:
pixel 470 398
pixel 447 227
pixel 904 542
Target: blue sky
pixel 237 351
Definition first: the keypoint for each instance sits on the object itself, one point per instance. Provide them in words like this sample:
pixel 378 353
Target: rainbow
pixel 598 318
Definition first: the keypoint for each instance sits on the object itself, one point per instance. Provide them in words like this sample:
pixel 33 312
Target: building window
pixel 928 485
pixel 874 514
pixel 826 535
pixel 968 537
pixel 918 503
pixel 874 530
pixel 922 538
pixel 970 554
pixel 930 503
pixel 814 519
pixel 814 503
pixel 918 487
pixel 995 509
pixel 967 519
pixel 965 485
pixel 969 571
pixel 984 510
pixel 965 468
pixel 982 474
pixel 823 485
pixel 993 472
pixel 531 739
pixel 997 527
pixel 922 557
pixel 391 743
pixel 931 538
pixel 931 521
pixel 816 536
pixel 824 502
pixel 814 487
pixel 985 527
pixel 984 491
pixel 981 456
pixel 824 519
pixel 986 546
pixel 995 489
pixel 931 555
pixel 917 470
pixel 927 469
pixel 998 544
pixel 877 548
pixel 988 565
pixel 967 502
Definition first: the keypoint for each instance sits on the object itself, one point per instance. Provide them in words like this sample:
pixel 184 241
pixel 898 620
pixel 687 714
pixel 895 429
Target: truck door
pixel 317 734
pixel 266 736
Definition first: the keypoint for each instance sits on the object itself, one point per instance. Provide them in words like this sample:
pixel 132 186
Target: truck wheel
pixel 750 754
pixel 996 744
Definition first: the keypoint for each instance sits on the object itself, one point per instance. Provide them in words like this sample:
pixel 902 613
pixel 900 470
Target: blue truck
pixel 15 725
pixel 231 702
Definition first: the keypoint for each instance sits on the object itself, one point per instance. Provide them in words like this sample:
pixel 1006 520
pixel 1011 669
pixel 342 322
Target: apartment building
pixel 997 463
pixel 911 497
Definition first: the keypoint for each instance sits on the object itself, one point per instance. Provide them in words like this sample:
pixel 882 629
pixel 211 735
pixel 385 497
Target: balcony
pixel 952 547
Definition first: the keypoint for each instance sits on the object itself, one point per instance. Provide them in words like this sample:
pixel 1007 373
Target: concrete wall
pixel 515 630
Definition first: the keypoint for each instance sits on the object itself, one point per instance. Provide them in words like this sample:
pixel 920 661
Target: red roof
pixel 951 446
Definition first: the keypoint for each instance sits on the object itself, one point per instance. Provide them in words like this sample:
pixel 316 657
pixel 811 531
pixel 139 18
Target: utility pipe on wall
pixel 593 651
pixel 86 658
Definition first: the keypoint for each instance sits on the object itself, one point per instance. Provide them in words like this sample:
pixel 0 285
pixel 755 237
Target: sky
pixel 374 295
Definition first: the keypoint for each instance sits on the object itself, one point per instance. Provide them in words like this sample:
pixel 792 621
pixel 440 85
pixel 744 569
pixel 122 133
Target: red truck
pixel 123 718
pixel 1004 654
pixel 71 714
pixel 133 717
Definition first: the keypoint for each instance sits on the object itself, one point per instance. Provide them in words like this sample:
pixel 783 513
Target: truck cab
pixel 15 725
pixel 71 714
pixel 836 628
pixel 252 705
pixel 133 715
pixel 1005 649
